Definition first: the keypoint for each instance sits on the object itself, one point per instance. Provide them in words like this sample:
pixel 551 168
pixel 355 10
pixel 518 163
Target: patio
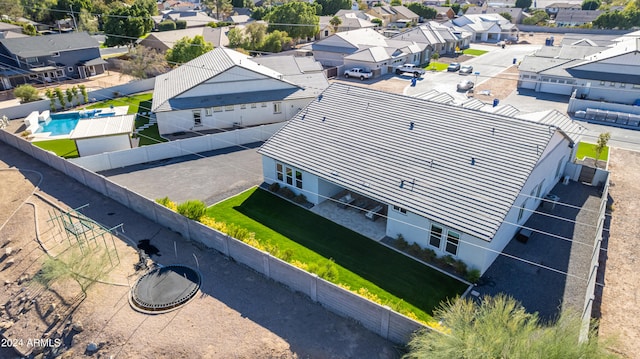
pixel 355 212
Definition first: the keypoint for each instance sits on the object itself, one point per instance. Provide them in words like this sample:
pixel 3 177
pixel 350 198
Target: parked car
pixel 410 68
pixel 466 70
pixel 464 85
pixel 358 72
pixel 453 67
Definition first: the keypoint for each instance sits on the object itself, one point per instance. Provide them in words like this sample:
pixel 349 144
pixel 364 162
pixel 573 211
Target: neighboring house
pixel 355 49
pixel 448 178
pixel 439 38
pixel 393 14
pixel 350 21
pixel 326 29
pixel 176 5
pixel 6 27
pixel 609 74
pixel 239 19
pixel 11 35
pixel 224 88
pixel 42 59
pixel 486 27
pixel 552 9
pixel 164 40
pixel 193 18
pixel 515 12
pixel 444 13
pixel 571 17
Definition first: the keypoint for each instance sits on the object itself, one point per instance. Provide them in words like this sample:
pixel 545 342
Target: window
pixel 326 32
pixel 69 69
pixel 264 104
pixel 298 179
pixel 601 83
pixel 289 175
pixel 59 73
pixel 612 84
pixel 539 189
pixel 623 85
pixel 277 107
pixel 33 77
pixel 217 109
pixel 253 105
pixel 243 106
pixel 436 236
pixel 208 111
pixel 55 54
pixel 636 86
pixel 279 172
pixel 31 60
pixel 453 239
pixel 228 108
pixel 521 211
pixel 559 168
pixel 400 209
pixel 197 119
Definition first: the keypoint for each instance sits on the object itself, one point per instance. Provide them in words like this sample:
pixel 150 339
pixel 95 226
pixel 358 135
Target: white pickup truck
pixel 358 72
pixel 410 68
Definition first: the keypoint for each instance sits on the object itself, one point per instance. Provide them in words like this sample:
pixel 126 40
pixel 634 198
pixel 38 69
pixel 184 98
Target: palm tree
pixel 500 327
pixel 335 22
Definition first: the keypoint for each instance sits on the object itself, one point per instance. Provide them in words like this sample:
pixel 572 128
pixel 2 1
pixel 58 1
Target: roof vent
pixel 324 118
pixel 401 183
pixel 473 161
pixel 411 124
pixel 320 98
pixel 493 131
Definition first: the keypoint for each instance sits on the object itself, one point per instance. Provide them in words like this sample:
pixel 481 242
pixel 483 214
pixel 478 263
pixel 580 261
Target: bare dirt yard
pixel 237 313
pixel 620 307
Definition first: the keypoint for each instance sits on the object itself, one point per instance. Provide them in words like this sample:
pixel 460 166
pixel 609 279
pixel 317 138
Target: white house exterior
pixel 224 88
pixel 438 38
pixel 486 27
pixel 609 74
pixel 459 181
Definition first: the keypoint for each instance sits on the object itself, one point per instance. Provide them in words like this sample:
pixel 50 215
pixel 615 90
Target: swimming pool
pixel 63 123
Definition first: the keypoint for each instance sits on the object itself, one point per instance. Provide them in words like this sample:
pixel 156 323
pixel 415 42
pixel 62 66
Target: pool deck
pixel 46 136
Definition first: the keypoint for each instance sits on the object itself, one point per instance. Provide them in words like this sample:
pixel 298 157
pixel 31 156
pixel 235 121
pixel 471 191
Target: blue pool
pixel 64 123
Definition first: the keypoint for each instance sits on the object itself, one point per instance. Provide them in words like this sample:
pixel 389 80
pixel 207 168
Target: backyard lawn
pixel 436 66
pixel 588 150
pixel 361 262
pixel 64 148
pixel 134 102
pixel 148 136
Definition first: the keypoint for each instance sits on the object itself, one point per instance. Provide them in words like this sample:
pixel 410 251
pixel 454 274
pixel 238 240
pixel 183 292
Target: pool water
pixel 64 123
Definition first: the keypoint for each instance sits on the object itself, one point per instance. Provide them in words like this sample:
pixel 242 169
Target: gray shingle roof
pixel 34 46
pixel 360 139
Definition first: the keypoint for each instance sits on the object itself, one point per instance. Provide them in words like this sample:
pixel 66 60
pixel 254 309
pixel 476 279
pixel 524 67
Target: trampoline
pixel 164 289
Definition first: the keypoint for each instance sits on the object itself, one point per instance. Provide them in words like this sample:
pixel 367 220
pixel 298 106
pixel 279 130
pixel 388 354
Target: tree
pixel 377 21
pixel 455 8
pixel 297 19
pixel 83 92
pixel 330 7
pixel 166 25
pixel 64 7
pixel 335 22
pixel 260 12
pixel 87 22
pixel 506 15
pixel 26 93
pixel 500 327
pixel 125 25
pixel 255 33
pixel 185 50
pixel 38 10
pixel 222 8
pixel 29 29
pixel 277 41
pixel 601 145
pixel 396 2
pixel 236 39
pixel 423 11
pixel 523 4
pixel 591 4
pixel 13 9
pixel 537 17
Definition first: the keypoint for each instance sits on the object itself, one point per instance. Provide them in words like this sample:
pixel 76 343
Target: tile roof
pixel 362 139
pixel 34 46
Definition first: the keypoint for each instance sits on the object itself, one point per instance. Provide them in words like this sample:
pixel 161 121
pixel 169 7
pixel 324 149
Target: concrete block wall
pixel 377 318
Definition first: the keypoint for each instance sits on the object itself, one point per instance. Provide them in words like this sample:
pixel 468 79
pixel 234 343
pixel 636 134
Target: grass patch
pixel 474 52
pixel 64 148
pixel 398 281
pixel 436 66
pixel 151 135
pixel 132 101
pixel 586 149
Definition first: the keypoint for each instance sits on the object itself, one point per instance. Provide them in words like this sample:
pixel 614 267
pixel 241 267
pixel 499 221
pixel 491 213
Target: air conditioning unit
pixel 565 180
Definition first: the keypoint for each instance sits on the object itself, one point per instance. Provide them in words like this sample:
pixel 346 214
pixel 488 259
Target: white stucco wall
pixel 97 145
pixel 329 58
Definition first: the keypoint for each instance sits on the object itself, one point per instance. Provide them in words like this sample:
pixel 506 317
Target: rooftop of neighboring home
pixel 304 75
pixel 166 39
pixel 576 15
pixel 373 142
pixel 34 46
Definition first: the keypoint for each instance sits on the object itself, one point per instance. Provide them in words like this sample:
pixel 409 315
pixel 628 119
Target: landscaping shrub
pixel 286 193
pixel 26 93
pixel 181 24
pixel 326 270
pixel 448 260
pixel 415 250
pixel 274 187
pixel 460 267
pixel 401 243
pixel 166 25
pixel 192 209
pixel 167 203
pixel 300 199
pixel 427 255
pixel 286 255
pixel 473 275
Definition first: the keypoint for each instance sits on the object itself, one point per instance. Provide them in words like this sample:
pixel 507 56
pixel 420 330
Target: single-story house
pixel 42 59
pixel 193 18
pixel 609 74
pixel 438 38
pixel 444 13
pixel 225 88
pixel 164 40
pixel 573 17
pixel 552 9
pixel 515 12
pixel 486 27
pixel 458 181
pixel 392 14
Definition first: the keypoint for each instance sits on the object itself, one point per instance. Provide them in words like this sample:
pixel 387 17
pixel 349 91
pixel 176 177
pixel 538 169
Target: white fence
pixel 23 110
pixel 377 318
pixel 172 149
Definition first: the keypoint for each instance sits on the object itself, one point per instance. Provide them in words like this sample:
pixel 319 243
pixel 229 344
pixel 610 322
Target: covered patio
pixel 358 213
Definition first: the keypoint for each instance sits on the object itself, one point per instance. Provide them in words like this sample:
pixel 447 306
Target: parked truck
pixel 411 69
pixel 358 72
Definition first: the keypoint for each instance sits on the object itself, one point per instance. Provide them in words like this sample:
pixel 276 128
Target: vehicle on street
pixel 464 85
pixel 466 70
pixel 410 68
pixel 453 67
pixel 358 72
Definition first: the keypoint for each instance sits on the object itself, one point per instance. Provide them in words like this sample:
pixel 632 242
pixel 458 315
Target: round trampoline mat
pixel 164 289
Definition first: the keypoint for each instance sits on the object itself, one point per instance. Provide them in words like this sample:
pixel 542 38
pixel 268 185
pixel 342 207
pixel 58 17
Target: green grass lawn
pixel 64 148
pixel 148 136
pixel 132 101
pixel 474 52
pixel 588 150
pixel 437 66
pixel 362 263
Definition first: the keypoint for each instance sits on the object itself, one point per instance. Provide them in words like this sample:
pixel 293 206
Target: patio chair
pixel 374 213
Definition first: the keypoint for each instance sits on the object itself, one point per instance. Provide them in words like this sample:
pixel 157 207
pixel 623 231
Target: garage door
pixel 557 88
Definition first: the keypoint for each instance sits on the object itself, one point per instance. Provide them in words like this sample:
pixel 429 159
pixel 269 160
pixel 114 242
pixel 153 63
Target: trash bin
pixel 495 102
pixel 413 82
pixel 514 60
